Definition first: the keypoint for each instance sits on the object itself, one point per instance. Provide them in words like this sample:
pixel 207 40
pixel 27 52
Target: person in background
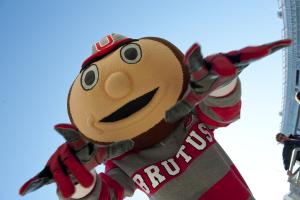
pixel 290 143
pixel 297 97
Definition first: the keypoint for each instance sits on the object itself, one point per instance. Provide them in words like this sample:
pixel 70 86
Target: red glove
pixel 215 70
pixel 73 159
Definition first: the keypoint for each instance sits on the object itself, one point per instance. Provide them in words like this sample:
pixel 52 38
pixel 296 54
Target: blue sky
pixel 43 44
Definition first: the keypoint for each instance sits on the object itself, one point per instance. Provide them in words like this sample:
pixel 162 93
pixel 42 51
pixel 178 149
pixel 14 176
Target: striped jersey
pixel 187 165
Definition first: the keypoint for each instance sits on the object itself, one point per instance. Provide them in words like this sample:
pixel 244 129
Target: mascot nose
pixel 117 85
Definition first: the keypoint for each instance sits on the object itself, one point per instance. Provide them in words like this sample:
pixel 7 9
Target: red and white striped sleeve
pixel 222 106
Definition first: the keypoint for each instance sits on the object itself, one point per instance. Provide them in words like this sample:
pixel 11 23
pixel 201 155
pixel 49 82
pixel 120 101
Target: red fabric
pixel 221 65
pixel 109 165
pixel 109 42
pixel 229 187
pixel 64 183
pixel 64 158
pixel 66 126
pixel 78 144
pixel 118 189
pixel 189 53
pixel 252 53
pixel 104 51
pixel 180 161
pixel 227 114
pixel 237 173
pixel 83 176
pixel 193 98
pixel 207 120
pixel 101 154
pixel 61 161
pixel 188 120
pixel 104 195
pixel 26 185
pixel 198 75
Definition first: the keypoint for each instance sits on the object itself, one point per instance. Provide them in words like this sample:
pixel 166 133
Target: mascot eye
pixel 89 77
pixel 131 53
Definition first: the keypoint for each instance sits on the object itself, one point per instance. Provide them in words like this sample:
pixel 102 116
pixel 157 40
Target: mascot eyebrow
pixel 148 113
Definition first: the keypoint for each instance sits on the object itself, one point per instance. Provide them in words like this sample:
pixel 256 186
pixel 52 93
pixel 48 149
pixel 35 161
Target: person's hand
pixel 209 73
pixel 289 173
pixel 72 162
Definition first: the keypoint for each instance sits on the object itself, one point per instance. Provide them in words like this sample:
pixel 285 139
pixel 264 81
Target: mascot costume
pixel 148 113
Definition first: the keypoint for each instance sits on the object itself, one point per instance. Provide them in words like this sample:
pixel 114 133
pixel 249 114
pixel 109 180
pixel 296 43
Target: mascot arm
pixel 222 106
pixel 215 71
pixel 70 165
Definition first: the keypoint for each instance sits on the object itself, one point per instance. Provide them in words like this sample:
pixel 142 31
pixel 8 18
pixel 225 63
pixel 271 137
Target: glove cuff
pixel 81 191
pixel 225 89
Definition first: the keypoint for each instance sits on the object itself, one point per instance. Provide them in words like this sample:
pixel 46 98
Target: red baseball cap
pixel 103 47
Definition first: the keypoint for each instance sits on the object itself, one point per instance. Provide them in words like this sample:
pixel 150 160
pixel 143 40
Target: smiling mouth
pixel 131 107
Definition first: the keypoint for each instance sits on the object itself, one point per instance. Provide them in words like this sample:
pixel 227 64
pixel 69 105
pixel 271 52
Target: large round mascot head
pixel 125 87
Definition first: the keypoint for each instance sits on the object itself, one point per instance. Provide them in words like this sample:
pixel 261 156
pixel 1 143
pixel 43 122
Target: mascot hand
pixel 72 162
pixel 214 71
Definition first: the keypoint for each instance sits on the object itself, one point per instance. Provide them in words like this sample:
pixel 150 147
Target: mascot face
pixel 126 92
